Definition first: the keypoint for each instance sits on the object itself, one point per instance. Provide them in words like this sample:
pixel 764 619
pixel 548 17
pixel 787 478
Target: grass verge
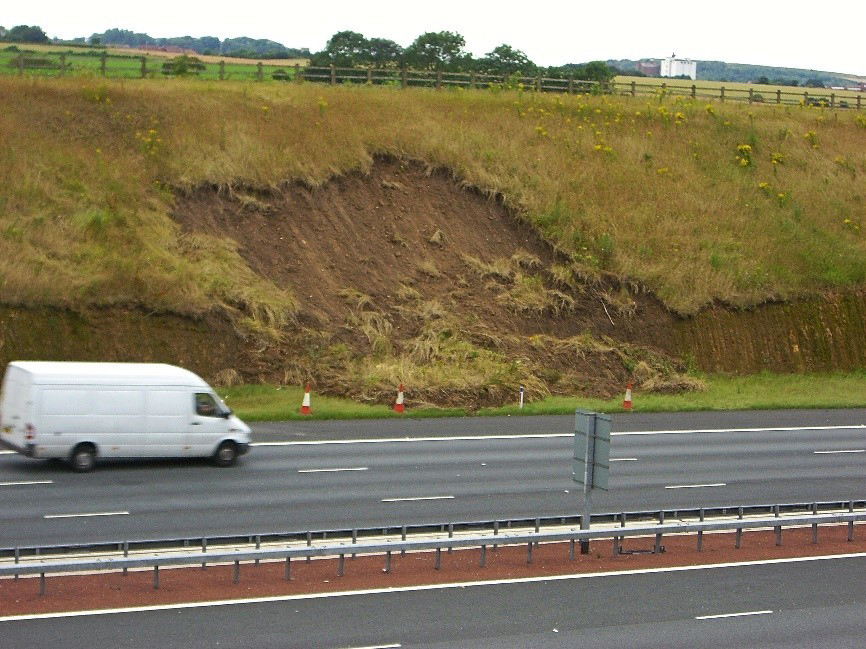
pixel 763 391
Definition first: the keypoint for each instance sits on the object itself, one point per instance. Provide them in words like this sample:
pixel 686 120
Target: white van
pixel 85 411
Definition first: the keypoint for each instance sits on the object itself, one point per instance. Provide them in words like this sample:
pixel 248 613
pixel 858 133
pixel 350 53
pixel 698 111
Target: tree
pixel 346 49
pixel 382 52
pixel 26 34
pixel 183 66
pixel 436 51
pixel 814 82
pixel 504 59
pixel 763 81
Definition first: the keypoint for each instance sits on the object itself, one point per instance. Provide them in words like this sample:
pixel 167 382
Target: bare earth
pixel 114 590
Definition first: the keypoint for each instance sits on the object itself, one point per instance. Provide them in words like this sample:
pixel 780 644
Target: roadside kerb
pixel 44 567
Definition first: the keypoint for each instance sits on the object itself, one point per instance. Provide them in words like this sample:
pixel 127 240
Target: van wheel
pixel 83 458
pixel 226 454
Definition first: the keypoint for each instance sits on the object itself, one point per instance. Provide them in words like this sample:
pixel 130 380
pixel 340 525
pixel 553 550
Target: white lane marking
pixel 467 438
pixel 25 482
pixel 856 450
pixel 400 500
pixel 623 459
pixel 7 452
pixel 409 589
pixel 87 515
pixel 357 468
pixel 379 646
pixel 722 615
pixel 695 486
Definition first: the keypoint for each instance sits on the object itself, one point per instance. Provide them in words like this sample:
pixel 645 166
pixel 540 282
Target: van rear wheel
pixel 83 458
pixel 226 454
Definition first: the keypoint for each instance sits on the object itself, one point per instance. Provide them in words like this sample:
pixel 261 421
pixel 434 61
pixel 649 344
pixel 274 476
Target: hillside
pixel 461 242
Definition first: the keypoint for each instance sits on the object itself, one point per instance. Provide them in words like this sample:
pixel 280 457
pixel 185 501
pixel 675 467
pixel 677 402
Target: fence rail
pixel 123 66
pixel 776 521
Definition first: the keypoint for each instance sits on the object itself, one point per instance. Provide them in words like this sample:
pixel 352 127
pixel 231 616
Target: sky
pixel 784 33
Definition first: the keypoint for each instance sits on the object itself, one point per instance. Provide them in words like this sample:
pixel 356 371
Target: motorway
pixel 325 475
pixel 794 604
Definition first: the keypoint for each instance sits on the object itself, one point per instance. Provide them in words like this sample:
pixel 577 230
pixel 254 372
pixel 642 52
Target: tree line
pixel 445 51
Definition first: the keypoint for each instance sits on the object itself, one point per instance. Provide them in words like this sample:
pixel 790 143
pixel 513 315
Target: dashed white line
pixel 25 482
pixel 623 459
pixel 400 500
pixel 856 450
pixel 695 486
pixel 357 468
pixel 87 515
pixel 379 646
pixel 723 615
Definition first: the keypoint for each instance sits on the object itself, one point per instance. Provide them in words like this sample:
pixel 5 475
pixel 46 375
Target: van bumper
pixel 29 450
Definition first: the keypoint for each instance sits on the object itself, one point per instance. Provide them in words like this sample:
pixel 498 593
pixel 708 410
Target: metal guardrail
pixel 404 531
pixel 112 563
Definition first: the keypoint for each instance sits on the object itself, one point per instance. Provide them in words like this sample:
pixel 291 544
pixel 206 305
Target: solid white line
pixel 857 450
pixel 25 482
pixel 718 617
pixel 86 515
pixel 400 500
pixel 4 452
pixel 695 486
pixel 379 646
pixel 623 459
pixel 408 589
pixel 468 438
pixel 360 468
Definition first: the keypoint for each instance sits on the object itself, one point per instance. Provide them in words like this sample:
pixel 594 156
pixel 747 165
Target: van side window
pixel 205 405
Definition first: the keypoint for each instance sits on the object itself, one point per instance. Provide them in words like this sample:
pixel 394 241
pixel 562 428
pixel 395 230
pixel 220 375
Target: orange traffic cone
pixel 626 404
pixel 398 405
pixel 305 404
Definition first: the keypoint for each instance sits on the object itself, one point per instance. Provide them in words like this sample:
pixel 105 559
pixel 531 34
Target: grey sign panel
pixel 591 449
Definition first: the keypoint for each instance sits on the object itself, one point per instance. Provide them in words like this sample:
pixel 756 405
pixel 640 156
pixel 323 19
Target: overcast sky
pixel 786 33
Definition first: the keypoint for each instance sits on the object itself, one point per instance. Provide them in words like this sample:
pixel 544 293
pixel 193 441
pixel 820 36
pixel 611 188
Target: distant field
pixel 733 90
pixel 126 63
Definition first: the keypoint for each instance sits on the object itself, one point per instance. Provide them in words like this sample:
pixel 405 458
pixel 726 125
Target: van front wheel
pixel 83 458
pixel 226 454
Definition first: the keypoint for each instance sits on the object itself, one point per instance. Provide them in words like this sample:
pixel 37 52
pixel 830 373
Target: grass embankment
pixel 758 392
pixel 697 201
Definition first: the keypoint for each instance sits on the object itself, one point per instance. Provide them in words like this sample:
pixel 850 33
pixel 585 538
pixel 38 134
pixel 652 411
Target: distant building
pixel 674 67
pixel 649 68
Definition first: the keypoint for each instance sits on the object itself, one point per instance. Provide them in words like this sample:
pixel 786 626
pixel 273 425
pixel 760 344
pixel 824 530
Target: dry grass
pixel 647 190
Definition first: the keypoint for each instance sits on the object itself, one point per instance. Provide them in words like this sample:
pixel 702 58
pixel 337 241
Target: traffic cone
pixel 398 405
pixel 305 404
pixel 626 404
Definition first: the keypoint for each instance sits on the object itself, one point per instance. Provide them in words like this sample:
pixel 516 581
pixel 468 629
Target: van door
pixel 209 424
pixel 168 422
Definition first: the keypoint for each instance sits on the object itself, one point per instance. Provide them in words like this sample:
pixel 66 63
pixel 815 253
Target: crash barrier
pixel 387 548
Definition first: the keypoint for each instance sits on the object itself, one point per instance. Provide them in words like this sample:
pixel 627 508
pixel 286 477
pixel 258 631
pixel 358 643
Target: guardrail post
pixel 287 574
pixel 203 550
pixel 258 545
pixel 125 555
pixel 622 519
pixel 814 525
pixel 309 543
pixel 483 556
pixel 450 534
pixel 156 577
pixel 700 540
pixel 657 548
pixel 529 552
pixel 403 537
pixel 340 566
pixel 438 558
pixel 615 546
pixel 237 573
pixel 17 557
pixel 495 533
pixel 388 561
pixel 354 539
pixel 571 550
pixel 778 527
pixel 41 584
pixel 737 537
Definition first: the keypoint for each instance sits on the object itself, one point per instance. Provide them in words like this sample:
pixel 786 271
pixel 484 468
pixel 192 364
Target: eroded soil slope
pixel 396 264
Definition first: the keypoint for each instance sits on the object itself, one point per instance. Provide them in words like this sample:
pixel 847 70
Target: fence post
pixel 438 79
pixel 694 91
pixel 571 84
pixel 62 65
pixel 259 71
pixel 538 83
pixel 102 63
pixel 403 77
pixel 722 94
pixel 369 76
pixel 472 79
pixel 751 96
pixel 778 96
pixel 858 102
pixel 333 74
pixel 143 67
pixel 832 99
pixel 20 65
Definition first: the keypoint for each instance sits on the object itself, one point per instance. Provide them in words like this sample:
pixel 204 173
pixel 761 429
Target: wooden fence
pixel 403 77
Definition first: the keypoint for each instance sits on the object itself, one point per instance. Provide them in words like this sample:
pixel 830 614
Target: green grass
pixel 757 392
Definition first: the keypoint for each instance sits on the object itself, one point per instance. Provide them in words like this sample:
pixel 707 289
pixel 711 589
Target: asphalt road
pixel 326 475
pixel 806 604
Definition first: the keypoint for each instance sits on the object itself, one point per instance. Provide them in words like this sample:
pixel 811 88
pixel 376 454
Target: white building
pixel 674 67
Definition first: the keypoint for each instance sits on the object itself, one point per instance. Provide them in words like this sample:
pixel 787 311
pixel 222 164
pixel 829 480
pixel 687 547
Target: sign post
pixel 591 464
pixel 520 401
